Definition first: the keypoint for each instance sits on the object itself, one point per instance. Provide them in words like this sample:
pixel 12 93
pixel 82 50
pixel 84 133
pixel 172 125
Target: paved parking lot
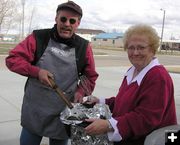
pixel 11 92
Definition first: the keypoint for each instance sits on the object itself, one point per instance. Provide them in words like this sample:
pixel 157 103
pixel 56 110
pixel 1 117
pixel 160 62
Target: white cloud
pixel 108 15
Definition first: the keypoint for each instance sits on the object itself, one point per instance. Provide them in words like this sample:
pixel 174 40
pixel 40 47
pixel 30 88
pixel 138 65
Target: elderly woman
pixel 145 100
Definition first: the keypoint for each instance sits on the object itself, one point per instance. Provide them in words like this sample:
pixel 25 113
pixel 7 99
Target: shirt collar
pixel 142 73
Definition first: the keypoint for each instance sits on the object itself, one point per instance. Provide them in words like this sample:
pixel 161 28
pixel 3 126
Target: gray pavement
pixel 11 86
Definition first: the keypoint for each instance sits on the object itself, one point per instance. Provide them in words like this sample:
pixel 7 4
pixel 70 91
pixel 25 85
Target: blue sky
pixel 112 15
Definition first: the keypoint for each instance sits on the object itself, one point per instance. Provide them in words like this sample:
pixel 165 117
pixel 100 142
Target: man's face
pixel 67 23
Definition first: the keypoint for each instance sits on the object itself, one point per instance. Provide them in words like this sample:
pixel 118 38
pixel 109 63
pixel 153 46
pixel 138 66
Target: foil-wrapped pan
pixel 75 120
pixel 79 137
pixel 81 112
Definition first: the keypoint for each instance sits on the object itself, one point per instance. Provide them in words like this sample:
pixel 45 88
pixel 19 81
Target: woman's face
pixel 139 51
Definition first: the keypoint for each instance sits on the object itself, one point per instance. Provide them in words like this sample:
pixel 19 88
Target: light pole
pixel 162 32
pixel 23 4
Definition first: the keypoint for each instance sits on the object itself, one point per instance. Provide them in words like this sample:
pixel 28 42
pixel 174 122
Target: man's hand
pixel 43 77
pixel 78 97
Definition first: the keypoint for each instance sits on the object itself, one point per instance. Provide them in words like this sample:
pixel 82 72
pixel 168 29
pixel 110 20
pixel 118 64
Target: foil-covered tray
pixel 75 120
pixel 81 112
pixel 79 137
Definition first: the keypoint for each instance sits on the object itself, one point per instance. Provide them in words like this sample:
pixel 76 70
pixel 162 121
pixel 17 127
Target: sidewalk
pixel 11 86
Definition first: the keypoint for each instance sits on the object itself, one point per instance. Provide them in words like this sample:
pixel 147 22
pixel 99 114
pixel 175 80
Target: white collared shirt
pixel 142 73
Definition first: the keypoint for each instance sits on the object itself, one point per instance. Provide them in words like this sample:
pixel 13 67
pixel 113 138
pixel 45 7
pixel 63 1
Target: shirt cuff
pixel 101 101
pixel 114 135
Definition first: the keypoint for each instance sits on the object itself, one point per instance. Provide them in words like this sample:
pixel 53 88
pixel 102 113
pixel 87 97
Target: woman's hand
pixel 92 99
pixel 97 127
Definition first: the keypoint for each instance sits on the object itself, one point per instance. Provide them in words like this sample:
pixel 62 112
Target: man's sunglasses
pixel 64 20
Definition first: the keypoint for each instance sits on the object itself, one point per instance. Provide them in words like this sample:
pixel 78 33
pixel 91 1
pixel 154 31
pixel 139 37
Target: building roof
pixel 89 31
pixel 109 35
pixel 172 41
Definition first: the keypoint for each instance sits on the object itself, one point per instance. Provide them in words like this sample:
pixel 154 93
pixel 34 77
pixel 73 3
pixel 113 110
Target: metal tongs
pixel 75 113
pixel 60 93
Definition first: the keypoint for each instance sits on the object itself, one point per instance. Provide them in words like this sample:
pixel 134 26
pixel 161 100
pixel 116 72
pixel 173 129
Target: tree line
pixel 11 16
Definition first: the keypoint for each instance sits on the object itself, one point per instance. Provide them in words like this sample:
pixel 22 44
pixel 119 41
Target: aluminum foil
pixel 78 135
pixel 79 112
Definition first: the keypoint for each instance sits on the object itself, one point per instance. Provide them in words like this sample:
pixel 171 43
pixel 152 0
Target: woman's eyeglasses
pixel 138 48
pixel 64 20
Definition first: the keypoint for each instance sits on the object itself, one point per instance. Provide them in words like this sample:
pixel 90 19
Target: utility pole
pixel 162 32
pixel 23 4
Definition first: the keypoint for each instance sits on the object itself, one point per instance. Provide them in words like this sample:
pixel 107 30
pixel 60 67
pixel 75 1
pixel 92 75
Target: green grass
pixel 172 69
pixel 5 47
pixel 4 50
pixel 162 52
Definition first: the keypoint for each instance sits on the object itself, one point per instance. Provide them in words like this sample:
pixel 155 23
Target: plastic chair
pixel 157 137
